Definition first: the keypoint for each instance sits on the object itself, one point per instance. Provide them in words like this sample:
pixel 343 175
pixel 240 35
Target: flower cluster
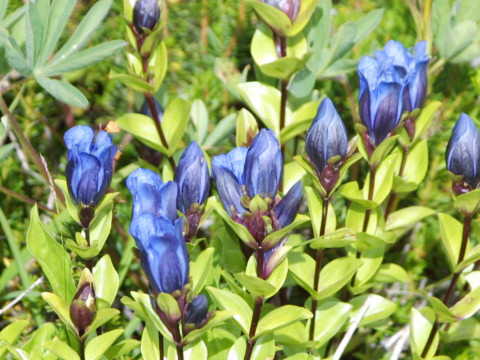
pixel 394 82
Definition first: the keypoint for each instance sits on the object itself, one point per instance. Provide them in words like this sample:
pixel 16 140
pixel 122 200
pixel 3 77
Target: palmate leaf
pixel 45 23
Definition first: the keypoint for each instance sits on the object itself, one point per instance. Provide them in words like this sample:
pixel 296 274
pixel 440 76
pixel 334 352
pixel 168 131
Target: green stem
pixel 426 19
pixel 26 199
pixel 89 262
pixel 448 295
pixel 393 195
pixel 318 267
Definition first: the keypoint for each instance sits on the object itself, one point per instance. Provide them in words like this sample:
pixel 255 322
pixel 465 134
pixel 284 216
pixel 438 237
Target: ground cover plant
pixel 277 179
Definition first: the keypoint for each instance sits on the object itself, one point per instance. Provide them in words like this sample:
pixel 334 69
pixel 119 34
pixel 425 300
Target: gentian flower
pixel 463 153
pixel 412 68
pixel 157 231
pixel 244 174
pixel 197 310
pixel 90 164
pixel 327 137
pixel 145 14
pixel 192 178
pixel 289 7
pixel 380 96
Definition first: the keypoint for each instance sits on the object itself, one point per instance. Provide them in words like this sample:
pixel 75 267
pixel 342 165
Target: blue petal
pixel 229 190
pixel 368 70
pixel 79 139
pixel 84 180
pixel 233 161
pixel 192 177
pixel 287 208
pixel 463 151
pixel 264 165
pixel 197 310
pixel 387 109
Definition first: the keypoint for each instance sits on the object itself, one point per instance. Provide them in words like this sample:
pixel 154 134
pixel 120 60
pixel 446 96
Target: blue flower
pixel 192 178
pixel 163 252
pixel 90 164
pixel 146 14
pixel 197 310
pixel 380 96
pixel 412 68
pixel 151 195
pixel 253 171
pixel 327 137
pixel 287 208
pixel 463 151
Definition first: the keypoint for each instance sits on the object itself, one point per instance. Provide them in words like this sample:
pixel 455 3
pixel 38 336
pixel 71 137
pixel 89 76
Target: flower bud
pixel 145 109
pixel 82 309
pixel 287 208
pixel 192 177
pixel 327 137
pixel 197 310
pixel 463 151
pixel 289 7
pixel 90 164
pixel 146 14
pixel 263 165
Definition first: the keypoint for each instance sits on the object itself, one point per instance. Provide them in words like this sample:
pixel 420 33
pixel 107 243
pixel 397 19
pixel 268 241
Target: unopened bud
pixel 197 310
pixel 82 310
pixel 146 14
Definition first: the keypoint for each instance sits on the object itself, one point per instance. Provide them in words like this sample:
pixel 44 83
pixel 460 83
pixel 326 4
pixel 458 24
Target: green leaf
pixel 256 286
pixel 60 11
pixel 422 123
pixel 462 330
pixel 468 305
pixel 15 57
pixel 174 122
pixel 459 38
pixel 122 348
pixel 71 207
pixel 44 333
pixel 222 130
pixel 379 308
pixel 451 230
pixel 44 248
pixel 329 320
pixel 264 101
pixel 234 303
pixel 246 127
pixel 237 351
pixel 441 310
pixel 372 259
pixel 149 343
pixel 275 237
pixel 315 209
pixel 143 128
pixel 219 318
pixel 106 280
pixel 133 82
pixel 281 317
pixel 307 7
pixel 352 192
pixel 101 317
pixel 390 273
pixel 82 59
pixel 421 324
pixel 196 351
pixel 383 179
pixel 275 18
pixel 382 150
pixel 335 275
pixel 169 306
pixel 143 306
pixel 264 348
pixel 61 349
pixel 59 306
pixel 368 23
pixel 11 333
pixel 97 346
pixel 200 268
pixel 468 203
pixel 199 115
pixel 82 33
pixel 63 91
pixel 407 216
pixel 158 64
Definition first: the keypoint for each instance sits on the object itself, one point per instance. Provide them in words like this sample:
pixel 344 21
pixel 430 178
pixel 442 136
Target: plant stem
pixel 253 327
pixel 160 345
pixel 82 349
pixel 283 91
pixel 156 119
pixel 26 199
pixel 88 263
pixel 178 341
pixel 426 19
pixel 28 147
pixel 446 300
pixel 393 195
pixel 318 267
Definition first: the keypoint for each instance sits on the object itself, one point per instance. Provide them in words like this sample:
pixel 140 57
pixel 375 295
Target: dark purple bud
pixel 289 7
pixel 197 310
pixel 82 309
pixel 192 177
pixel 90 164
pixel 463 151
pixel 145 109
pixel 263 165
pixel 146 14
pixel 327 137
pixel 287 208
